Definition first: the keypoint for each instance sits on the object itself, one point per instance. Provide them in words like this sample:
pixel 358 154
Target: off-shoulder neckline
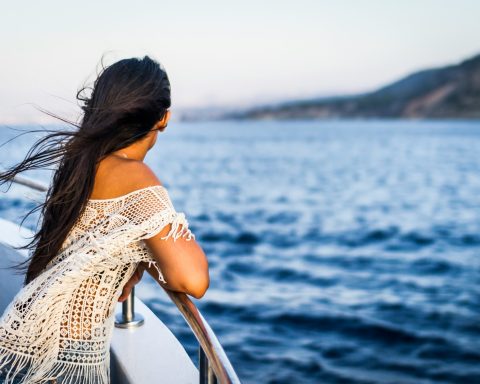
pixel 125 195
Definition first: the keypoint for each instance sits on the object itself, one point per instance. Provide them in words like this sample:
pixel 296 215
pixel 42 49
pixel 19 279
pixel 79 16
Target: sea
pixel 339 251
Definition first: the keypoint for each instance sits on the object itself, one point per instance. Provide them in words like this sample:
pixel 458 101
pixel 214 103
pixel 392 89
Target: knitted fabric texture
pixel 61 323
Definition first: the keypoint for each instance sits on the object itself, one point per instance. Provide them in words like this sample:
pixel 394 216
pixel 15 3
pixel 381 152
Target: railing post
pixel 207 376
pixel 128 318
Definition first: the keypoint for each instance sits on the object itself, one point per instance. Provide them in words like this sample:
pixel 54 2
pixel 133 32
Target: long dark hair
pixel 127 99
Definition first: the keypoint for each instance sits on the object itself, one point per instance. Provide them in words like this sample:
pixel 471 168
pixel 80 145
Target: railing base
pixel 121 322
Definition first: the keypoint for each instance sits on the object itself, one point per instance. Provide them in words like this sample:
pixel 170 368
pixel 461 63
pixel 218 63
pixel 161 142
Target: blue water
pixel 340 252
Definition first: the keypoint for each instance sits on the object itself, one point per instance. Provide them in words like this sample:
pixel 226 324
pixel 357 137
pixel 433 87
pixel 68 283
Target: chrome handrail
pixel 209 344
pixel 213 362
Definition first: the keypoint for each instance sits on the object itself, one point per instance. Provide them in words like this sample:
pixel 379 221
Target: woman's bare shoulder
pixel 117 177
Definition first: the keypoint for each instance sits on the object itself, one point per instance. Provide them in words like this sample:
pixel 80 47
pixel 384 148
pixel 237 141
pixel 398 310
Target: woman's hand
pixel 136 277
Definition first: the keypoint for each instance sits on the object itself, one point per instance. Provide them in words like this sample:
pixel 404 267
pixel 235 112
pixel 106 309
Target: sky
pixel 225 53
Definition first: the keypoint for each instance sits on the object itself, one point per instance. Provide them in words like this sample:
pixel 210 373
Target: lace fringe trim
pixel 175 232
pixel 21 368
pixel 160 274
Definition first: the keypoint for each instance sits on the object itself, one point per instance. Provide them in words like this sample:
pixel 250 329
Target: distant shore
pixel 451 92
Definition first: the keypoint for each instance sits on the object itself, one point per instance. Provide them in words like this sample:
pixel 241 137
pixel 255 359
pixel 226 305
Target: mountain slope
pixel 447 92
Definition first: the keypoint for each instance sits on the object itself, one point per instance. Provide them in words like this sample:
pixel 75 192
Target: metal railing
pixel 214 365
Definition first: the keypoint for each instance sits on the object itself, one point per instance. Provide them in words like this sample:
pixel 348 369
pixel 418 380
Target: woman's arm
pixel 195 287
pixel 183 264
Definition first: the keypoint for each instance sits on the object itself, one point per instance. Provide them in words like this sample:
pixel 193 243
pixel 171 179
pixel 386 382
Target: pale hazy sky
pixel 225 53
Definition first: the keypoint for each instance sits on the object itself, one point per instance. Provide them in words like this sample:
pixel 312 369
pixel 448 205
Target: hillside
pixel 447 92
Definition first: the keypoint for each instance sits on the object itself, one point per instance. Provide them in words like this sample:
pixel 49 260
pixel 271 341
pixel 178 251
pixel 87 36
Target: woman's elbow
pixel 198 286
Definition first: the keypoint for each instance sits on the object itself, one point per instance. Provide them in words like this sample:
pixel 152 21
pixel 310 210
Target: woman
pixel 107 217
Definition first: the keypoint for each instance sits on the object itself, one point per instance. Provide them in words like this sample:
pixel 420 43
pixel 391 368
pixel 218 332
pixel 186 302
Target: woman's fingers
pixel 125 292
pixel 134 279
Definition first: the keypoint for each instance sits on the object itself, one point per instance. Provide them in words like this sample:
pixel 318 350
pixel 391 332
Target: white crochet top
pixel 62 321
